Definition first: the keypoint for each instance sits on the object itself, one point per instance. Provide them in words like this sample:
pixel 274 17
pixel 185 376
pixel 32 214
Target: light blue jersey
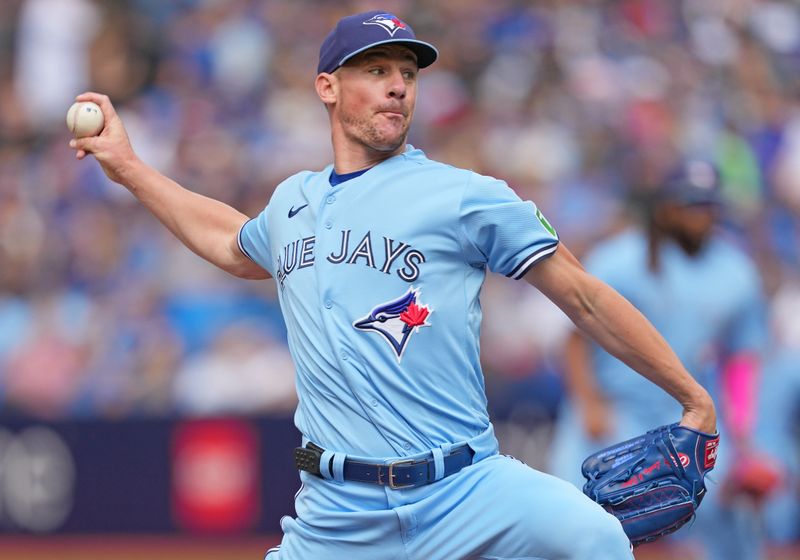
pixel 378 280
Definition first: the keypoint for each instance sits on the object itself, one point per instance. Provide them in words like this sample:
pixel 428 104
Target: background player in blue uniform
pixel 704 295
pixel 779 410
pixel 379 259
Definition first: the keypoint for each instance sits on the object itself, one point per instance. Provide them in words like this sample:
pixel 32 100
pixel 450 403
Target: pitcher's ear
pixel 327 87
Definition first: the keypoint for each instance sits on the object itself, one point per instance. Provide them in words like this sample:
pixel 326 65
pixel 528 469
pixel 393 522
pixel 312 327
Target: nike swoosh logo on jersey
pixel 293 212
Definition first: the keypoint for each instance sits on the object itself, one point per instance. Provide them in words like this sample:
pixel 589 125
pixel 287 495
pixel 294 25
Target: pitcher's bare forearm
pixel 579 377
pixel 616 325
pixel 208 227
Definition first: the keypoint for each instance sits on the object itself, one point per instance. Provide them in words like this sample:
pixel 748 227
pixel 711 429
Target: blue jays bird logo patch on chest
pixel 397 320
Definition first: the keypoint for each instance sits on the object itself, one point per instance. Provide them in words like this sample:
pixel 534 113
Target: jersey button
pixel 328 225
pixel 331 199
pixel 344 356
pixel 328 304
pixel 373 402
pixel 406 446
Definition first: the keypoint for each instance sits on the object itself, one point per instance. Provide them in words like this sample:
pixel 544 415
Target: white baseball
pixel 85 118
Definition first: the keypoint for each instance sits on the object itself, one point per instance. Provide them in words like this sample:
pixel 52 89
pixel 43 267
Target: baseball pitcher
pixel 379 260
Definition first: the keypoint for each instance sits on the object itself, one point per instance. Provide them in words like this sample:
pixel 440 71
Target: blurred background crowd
pixel 577 104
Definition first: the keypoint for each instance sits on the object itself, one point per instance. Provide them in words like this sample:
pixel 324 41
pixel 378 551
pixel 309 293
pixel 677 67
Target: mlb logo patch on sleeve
pixel 545 223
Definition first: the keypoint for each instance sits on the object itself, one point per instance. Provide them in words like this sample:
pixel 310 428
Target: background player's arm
pixel 616 325
pixel 206 226
pixel 581 385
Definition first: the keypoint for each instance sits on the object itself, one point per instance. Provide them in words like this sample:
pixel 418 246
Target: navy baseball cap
pixel 692 182
pixel 357 33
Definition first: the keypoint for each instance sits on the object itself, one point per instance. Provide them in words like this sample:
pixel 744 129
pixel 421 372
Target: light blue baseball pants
pixel 497 508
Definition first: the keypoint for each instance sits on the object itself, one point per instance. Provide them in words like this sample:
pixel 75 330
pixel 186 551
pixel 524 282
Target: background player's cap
pixel 357 33
pixel 692 182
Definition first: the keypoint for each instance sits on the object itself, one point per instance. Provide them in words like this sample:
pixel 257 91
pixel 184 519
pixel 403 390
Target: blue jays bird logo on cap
pixel 389 22
pixel 397 320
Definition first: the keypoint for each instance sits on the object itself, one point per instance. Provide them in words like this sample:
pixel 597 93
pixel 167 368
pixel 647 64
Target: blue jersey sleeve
pixel 254 241
pixel 501 230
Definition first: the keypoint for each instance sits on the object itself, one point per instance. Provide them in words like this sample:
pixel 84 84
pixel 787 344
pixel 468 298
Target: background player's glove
pixel 753 475
pixel 652 483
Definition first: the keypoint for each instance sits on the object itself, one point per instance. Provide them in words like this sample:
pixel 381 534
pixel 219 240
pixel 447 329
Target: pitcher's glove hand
pixel 652 483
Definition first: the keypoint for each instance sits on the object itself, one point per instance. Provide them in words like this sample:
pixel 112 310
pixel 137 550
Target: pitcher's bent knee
pixel 606 540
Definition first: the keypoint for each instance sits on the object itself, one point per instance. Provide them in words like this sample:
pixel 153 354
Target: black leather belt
pixel 398 474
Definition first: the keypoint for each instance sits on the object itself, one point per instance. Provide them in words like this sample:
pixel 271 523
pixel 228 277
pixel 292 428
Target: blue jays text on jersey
pixel 380 278
pixel 299 254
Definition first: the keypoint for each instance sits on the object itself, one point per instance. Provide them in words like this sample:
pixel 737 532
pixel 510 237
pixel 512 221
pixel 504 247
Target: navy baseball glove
pixel 652 483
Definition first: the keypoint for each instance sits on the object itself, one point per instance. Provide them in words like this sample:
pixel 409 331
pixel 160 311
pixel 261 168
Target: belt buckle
pixel 307 459
pixel 390 477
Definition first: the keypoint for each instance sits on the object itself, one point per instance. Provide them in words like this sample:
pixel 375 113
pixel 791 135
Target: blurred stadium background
pixel 141 415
